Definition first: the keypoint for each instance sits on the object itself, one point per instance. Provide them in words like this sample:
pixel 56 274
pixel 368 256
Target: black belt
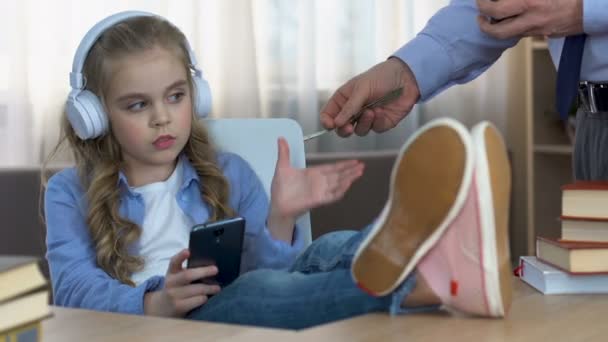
pixel 593 96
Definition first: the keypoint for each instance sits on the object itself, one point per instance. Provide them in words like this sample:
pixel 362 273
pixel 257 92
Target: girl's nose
pixel 161 117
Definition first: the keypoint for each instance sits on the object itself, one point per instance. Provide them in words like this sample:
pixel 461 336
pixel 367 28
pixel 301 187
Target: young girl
pixel 118 222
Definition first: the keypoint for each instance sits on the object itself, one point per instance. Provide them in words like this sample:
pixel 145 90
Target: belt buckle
pixel 583 95
pixel 588 96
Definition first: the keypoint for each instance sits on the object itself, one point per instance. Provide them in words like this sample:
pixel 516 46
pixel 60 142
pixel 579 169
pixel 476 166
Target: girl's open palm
pixel 295 191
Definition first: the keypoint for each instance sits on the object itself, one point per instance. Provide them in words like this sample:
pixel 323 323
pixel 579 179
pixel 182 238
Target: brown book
pixel 584 229
pixel 585 200
pixel 19 275
pixel 573 256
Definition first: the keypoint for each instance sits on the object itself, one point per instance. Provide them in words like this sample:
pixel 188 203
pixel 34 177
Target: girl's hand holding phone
pixel 180 295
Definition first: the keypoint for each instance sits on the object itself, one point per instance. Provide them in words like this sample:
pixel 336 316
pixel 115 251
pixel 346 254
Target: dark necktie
pixel 568 73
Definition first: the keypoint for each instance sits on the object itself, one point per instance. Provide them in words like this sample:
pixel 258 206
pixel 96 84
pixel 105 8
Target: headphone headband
pixel 76 77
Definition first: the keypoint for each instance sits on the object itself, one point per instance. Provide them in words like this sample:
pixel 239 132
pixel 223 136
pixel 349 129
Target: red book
pixel 587 200
pixel 574 257
pixel 586 185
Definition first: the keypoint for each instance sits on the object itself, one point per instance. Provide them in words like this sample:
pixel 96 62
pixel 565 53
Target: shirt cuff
pixel 152 284
pixel 288 252
pixel 429 62
pixel 595 13
pixel 297 242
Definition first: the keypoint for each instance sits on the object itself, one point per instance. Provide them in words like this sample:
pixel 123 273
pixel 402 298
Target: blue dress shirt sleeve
pixel 595 16
pixel 451 49
pixel 76 279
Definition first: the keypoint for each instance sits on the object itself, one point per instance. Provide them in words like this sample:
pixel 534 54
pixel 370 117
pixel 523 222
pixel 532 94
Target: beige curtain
pixel 263 58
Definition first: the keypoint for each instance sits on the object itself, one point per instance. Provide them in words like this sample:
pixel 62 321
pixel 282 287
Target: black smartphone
pixel 218 243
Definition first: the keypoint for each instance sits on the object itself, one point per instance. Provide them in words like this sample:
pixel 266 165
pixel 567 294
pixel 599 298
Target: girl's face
pixel 149 107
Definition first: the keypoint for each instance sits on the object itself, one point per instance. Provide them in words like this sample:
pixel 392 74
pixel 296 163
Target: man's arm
pixel 451 49
pixel 555 18
pixel 519 18
pixel 595 16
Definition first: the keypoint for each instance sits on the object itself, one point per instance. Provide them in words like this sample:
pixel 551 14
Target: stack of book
pixel 24 297
pixel 578 261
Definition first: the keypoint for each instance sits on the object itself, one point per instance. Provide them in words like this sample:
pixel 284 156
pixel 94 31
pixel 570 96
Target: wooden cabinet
pixel 541 150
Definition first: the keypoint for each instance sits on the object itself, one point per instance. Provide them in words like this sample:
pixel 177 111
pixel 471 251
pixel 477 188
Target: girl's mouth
pixel 164 142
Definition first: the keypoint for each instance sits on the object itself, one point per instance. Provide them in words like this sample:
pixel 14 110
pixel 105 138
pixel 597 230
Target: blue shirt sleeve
pixel 76 279
pixel 451 49
pixel 260 249
pixel 595 14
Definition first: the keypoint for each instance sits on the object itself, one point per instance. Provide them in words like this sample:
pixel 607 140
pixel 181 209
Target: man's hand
pixel 520 18
pixel 179 296
pixel 365 88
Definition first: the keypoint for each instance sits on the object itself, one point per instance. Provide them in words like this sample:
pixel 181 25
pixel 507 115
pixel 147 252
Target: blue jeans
pixel 317 289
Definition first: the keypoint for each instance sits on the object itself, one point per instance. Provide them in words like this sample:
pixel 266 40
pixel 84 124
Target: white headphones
pixel 84 109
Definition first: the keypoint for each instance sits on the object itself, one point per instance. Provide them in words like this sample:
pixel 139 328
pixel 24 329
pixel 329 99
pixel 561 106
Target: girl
pixel 118 223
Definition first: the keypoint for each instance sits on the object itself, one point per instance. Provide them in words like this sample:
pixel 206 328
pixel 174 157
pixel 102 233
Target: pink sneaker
pixel 469 268
pixel 429 184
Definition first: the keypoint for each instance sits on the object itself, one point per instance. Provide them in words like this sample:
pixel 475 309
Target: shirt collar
pixel 189 175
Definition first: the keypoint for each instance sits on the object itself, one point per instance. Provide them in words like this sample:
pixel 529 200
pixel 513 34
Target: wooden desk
pixel 533 317
pixel 91 326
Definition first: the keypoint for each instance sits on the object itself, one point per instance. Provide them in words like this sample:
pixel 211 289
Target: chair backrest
pixel 255 140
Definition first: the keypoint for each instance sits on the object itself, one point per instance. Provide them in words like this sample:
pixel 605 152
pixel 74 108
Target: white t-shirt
pixel 166 228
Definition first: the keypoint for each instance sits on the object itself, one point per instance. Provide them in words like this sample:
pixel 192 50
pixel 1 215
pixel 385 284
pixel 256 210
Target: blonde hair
pixel 99 160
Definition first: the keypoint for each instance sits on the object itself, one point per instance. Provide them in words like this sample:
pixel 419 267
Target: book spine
pixel 532 276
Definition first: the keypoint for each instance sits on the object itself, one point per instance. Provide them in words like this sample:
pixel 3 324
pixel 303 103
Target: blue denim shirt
pixel 78 281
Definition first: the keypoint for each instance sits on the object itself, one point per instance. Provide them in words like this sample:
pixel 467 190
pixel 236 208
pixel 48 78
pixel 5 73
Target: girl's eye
pixel 176 97
pixel 136 106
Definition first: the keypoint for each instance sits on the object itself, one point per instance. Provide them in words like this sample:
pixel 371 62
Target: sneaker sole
pixel 430 182
pixel 493 175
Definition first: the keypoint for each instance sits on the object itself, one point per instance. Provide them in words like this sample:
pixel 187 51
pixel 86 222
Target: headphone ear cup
pixel 86 114
pixel 201 96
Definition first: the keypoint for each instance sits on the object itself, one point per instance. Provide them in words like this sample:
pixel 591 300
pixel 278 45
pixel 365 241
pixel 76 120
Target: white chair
pixel 255 140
